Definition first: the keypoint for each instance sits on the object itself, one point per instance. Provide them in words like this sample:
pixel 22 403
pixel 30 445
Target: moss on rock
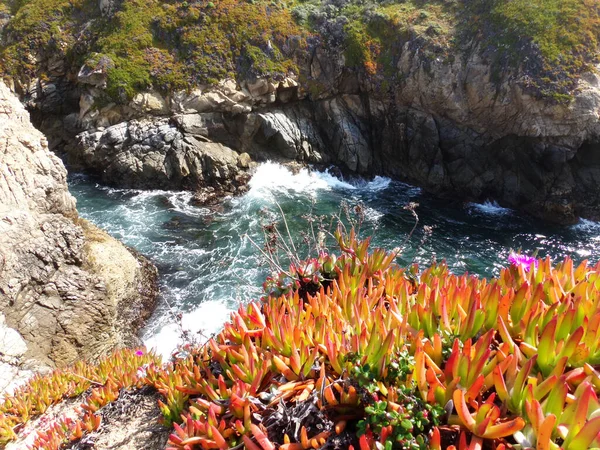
pixel 170 45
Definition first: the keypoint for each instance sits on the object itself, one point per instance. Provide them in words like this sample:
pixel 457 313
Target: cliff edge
pixel 67 289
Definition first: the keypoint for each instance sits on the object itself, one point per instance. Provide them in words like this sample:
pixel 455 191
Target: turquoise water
pixel 207 267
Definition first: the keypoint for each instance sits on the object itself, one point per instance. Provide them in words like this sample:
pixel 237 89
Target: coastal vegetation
pixel 349 350
pixel 170 45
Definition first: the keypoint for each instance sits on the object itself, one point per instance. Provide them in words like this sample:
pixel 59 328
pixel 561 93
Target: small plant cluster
pixel 384 359
pixel 98 384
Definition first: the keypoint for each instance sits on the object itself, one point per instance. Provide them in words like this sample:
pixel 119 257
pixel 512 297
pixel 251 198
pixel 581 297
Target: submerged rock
pixel 67 289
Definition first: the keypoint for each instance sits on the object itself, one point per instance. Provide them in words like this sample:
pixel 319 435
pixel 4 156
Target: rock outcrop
pixel 473 140
pixel 67 289
pixel 450 125
pixel 156 154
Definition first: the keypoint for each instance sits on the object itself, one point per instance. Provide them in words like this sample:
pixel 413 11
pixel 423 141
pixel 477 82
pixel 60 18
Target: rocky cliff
pixel 67 289
pixel 476 100
pixel 450 129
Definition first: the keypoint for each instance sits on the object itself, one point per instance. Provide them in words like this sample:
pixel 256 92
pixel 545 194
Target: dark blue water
pixel 207 267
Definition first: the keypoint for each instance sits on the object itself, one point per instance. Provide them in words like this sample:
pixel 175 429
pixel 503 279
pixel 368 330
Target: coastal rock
pixel 223 97
pixel 150 102
pixel 67 289
pixel 439 121
pixel 157 154
pixel 95 72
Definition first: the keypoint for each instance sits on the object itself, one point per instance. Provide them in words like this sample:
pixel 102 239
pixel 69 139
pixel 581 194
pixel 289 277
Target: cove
pixel 206 268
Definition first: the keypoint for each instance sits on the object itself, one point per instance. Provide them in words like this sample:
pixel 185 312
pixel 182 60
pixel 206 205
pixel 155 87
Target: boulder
pixel 159 154
pixel 258 87
pixel 150 102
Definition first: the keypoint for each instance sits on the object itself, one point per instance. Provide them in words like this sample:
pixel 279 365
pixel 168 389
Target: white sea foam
pixel 181 203
pixel 112 190
pixel 372 215
pixel 376 184
pixel 587 225
pixel 489 207
pixel 275 178
pixel 208 319
pixel 332 181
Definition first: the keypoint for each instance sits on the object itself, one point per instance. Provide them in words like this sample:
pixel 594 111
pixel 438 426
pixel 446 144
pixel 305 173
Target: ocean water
pixel 208 264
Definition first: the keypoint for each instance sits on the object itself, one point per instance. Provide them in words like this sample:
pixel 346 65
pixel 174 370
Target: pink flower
pixel 139 353
pixel 516 259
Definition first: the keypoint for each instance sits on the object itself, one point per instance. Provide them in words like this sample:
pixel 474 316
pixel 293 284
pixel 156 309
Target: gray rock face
pixel 447 124
pixel 67 289
pixel 157 154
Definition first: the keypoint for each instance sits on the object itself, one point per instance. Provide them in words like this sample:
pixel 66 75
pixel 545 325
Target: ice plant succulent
pixel 352 351
pixel 96 385
pixel 358 345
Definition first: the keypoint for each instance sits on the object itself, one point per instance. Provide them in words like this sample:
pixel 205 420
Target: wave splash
pixel 275 178
pixel 217 291
pixel 489 208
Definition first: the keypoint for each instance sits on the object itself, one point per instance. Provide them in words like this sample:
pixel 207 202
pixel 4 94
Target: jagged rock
pixel 95 72
pixel 244 160
pixel 67 288
pixel 156 153
pixel 224 97
pixel 209 126
pixel 348 132
pixel 219 163
pixel 86 101
pixel 150 102
pixel 282 132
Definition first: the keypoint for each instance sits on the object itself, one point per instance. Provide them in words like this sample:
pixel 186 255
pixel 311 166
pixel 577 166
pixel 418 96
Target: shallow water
pixel 207 268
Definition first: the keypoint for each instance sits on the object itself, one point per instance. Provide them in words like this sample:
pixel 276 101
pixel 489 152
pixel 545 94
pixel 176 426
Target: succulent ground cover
pixel 352 351
pixel 95 384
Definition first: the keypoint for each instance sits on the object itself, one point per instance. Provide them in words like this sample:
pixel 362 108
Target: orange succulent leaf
pixel 485 422
pixel 586 438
